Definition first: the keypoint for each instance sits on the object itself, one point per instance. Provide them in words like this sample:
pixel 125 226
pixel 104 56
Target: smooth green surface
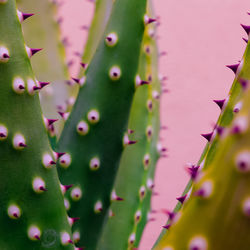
pixel 22 114
pixel 112 99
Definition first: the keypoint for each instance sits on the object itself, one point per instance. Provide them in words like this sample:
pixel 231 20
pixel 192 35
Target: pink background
pixel 200 38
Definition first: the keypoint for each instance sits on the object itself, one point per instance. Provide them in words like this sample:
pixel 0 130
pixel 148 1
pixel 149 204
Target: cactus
pixel 134 181
pixel 229 108
pixel 32 209
pixel 100 19
pixel 98 24
pixel 99 141
pixel 50 64
pixel 93 136
pixel 218 208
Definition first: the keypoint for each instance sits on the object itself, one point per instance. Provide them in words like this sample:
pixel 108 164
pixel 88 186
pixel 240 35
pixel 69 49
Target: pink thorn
pixel 84 65
pixel 34 51
pixel 220 103
pixel 67 187
pixel 167 226
pixel 61 114
pixel 119 198
pixel 36 88
pixel 21 87
pixel 233 67
pixel 132 142
pixel 27 15
pixel 207 136
pixel 51 121
pixel 109 39
pixel 181 199
pixel 144 82
pixel 75 219
pixel 151 20
pixel 43 84
pixel 37 237
pixel 60 154
pixel 75 79
pixel 43 188
pixel 245 40
pixel 246 28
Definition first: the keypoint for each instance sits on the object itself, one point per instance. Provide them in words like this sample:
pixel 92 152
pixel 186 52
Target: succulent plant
pixel 107 152
pixel 33 213
pixel 229 110
pixel 220 195
pixel 95 132
pixel 134 181
pixel 98 24
pixel 50 65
